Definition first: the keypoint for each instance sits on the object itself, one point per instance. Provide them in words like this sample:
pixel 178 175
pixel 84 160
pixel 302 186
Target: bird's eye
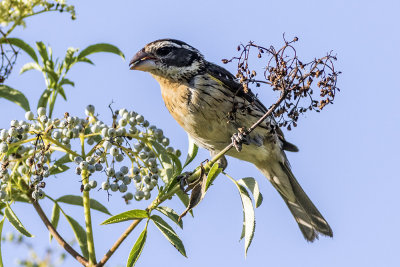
pixel 164 51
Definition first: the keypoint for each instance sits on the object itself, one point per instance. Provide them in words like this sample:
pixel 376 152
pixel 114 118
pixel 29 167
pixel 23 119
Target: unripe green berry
pixel 128 196
pixel 105 185
pixel 114 151
pixel 123 188
pixel 119 158
pixel 93 184
pixel 126 180
pixel 124 170
pixel 139 118
pixel 29 115
pixel 110 171
pixel 89 110
pixel 114 187
pixel 87 187
pixel 3 148
pixel 41 111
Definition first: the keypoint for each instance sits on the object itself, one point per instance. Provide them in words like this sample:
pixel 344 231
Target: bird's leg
pixel 240 138
pixel 222 162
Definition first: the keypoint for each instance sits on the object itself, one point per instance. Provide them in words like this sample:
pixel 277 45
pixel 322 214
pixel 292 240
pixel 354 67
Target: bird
pixel 211 106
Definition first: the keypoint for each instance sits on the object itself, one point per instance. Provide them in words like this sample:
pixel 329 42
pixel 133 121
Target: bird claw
pixel 238 139
pixel 183 181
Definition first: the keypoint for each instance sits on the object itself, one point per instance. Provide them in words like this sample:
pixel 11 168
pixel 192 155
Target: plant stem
pixel 88 222
pixel 56 235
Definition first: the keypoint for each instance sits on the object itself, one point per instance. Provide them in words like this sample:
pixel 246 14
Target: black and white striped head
pixel 169 58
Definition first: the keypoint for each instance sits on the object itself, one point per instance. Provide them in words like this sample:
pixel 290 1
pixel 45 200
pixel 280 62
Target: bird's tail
pixel 309 219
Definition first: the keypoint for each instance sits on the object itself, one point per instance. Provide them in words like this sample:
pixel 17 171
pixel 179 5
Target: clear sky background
pixel 348 159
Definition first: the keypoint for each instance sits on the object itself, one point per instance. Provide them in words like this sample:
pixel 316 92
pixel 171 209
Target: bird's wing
pixel 229 81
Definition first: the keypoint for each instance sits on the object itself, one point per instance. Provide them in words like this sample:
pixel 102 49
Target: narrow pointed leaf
pixel 80 235
pixel 62 92
pixel 41 47
pixel 30 66
pixel 170 213
pixel 249 220
pixel 21 44
pixel 212 174
pixel 252 185
pixel 55 217
pixel 169 233
pixel 78 200
pixel 67 81
pixel 168 167
pixel 101 47
pixel 86 60
pixel 1 230
pixel 137 248
pixel 15 96
pixel 192 152
pixel 44 98
pixel 127 216
pixel 177 164
pixel 56 169
pixel 13 219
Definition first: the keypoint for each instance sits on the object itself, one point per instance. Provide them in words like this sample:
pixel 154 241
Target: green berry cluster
pixel 116 155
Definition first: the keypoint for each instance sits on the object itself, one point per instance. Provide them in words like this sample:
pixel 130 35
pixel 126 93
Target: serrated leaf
pixel 80 235
pixel 137 248
pixel 30 66
pixel 169 233
pixel 1 230
pixel 252 185
pixel 192 152
pixel 78 200
pixel 55 217
pixel 20 44
pixel 212 174
pixel 15 96
pixel 170 213
pixel 13 219
pixel 44 98
pixel 127 216
pixel 249 220
pixel 101 47
pixel 41 47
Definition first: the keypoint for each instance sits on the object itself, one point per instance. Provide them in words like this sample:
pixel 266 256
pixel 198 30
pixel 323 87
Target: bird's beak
pixel 142 61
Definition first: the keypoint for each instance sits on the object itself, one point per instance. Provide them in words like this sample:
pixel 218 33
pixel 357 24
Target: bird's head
pixel 169 58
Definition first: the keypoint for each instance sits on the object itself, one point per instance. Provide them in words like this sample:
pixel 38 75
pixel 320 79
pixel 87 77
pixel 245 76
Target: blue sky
pixel 348 153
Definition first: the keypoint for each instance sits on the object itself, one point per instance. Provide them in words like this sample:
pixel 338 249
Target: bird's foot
pixel 183 181
pixel 240 138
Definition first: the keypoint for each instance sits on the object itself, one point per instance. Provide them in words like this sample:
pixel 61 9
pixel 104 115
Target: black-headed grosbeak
pixel 202 97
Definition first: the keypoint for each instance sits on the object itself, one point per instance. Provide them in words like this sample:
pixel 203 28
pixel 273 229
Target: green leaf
pixel 127 216
pixel 70 58
pixel 55 217
pixel 1 230
pixel 249 219
pixel 212 174
pixel 66 81
pixel 41 47
pixel 137 248
pixel 60 90
pixel 13 219
pixel 56 169
pixel 192 152
pixel 101 47
pixel 168 167
pixel 170 213
pixel 169 233
pixel 64 159
pixel 86 60
pixel 80 235
pixel 30 66
pixel 15 96
pixel 252 185
pixel 20 44
pixel 44 98
pixel 177 164
pixel 78 200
